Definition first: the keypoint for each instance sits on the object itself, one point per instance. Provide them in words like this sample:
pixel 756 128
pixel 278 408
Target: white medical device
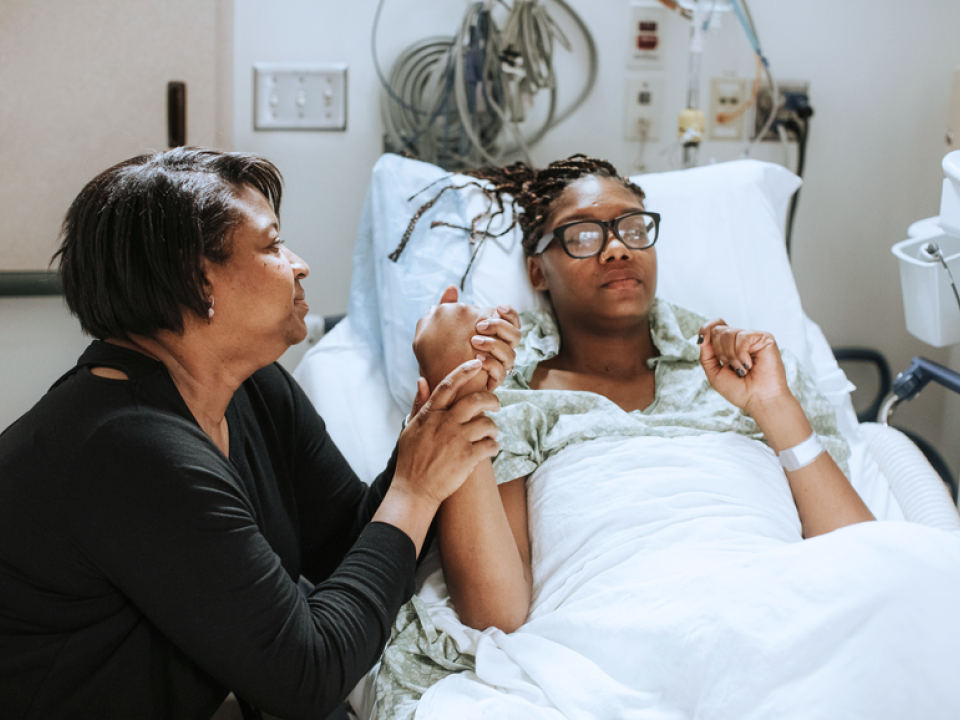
pixel 930 262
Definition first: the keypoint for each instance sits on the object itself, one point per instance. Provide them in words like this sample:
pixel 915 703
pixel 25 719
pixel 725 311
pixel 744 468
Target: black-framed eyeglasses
pixel 586 238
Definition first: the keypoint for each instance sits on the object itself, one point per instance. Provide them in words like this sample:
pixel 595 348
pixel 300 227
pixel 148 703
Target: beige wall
pixel 83 85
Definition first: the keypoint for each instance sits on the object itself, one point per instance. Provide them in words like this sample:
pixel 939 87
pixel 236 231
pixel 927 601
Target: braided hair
pixel 531 191
pixel 535 191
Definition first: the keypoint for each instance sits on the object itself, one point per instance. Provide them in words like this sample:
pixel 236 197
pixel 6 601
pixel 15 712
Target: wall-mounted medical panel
pixel 300 97
pixel 645 35
pixel 643 106
pixel 728 96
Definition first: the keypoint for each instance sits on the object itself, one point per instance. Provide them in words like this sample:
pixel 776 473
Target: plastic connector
pixel 911 381
pixel 690 126
pixel 798 103
pixel 794 110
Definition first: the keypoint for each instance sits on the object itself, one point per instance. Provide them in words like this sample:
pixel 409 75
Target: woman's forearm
pixel 407 510
pixel 825 499
pixel 485 558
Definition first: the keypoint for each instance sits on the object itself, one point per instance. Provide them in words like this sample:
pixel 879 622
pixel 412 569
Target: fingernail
pixel 478 340
pixel 483 325
pixel 699 339
pixel 746 367
pixel 503 309
pixel 741 372
pixel 475 363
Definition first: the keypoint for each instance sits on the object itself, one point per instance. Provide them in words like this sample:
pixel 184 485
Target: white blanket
pixel 670 581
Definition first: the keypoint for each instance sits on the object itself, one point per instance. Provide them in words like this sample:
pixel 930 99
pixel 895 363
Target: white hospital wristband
pixel 801 455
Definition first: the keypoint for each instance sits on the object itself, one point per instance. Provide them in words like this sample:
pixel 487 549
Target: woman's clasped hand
pixel 448 432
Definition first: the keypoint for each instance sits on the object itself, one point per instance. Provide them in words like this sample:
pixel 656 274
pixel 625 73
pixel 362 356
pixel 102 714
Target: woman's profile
pixel 160 503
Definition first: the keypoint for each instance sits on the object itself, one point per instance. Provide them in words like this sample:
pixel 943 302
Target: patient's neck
pixel 610 364
pixel 606 352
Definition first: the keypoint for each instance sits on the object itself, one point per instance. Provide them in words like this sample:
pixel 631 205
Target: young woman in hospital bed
pixel 641 556
pixel 591 249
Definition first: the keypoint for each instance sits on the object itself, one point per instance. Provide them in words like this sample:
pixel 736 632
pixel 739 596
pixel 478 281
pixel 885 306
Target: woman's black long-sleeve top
pixel 144 574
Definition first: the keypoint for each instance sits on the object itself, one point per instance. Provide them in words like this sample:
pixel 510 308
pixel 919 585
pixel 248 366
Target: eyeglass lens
pixel 586 238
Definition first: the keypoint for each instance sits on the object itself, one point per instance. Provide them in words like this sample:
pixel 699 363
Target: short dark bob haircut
pixel 133 242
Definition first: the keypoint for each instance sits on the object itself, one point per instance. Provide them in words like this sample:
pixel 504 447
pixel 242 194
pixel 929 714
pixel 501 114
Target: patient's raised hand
pixel 744 366
pixel 452 333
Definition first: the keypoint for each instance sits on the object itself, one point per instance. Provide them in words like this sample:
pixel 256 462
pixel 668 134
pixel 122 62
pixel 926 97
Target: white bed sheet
pixel 685 592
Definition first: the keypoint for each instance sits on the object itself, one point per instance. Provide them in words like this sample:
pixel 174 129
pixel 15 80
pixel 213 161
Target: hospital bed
pixel 720 253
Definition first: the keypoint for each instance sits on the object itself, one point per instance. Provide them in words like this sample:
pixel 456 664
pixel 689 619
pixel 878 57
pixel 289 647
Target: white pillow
pixel 721 253
pixel 387 298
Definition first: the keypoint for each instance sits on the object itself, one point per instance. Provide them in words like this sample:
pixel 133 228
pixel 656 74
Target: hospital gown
pixel 534 425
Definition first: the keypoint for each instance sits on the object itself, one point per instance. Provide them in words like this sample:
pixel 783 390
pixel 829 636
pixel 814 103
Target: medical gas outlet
pixel 728 103
pixel 643 105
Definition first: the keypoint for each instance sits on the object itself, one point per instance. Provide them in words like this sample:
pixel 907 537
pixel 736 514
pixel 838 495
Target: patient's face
pixel 614 288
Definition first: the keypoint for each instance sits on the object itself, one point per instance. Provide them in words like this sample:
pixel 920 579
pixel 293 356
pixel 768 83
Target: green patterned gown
pixel 536 424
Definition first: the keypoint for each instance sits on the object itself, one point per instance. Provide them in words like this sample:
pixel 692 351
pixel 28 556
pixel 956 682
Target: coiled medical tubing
pixel 454 101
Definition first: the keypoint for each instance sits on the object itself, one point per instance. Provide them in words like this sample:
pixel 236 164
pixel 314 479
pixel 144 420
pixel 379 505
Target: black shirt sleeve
pixel 167 522
pixel 332 512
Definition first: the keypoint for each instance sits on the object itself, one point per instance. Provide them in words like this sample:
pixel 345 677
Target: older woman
pixel 160 503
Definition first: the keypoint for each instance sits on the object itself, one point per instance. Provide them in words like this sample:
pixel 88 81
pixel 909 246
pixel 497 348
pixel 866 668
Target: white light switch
pixel 300 97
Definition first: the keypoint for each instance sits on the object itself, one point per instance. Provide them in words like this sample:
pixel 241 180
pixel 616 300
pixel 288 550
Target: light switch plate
pixel 300 97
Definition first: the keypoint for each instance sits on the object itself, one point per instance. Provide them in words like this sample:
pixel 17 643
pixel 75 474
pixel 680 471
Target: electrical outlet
pixel 643 107
pixel 795 97
pixel 300 97
pixel 727 97
pixel 645 34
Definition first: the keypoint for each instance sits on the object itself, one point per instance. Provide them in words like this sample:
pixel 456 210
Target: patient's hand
pixel 744 366
pixel 442 343
pixel 452 333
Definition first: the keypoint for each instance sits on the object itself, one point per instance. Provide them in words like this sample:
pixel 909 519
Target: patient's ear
pixel 535 273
